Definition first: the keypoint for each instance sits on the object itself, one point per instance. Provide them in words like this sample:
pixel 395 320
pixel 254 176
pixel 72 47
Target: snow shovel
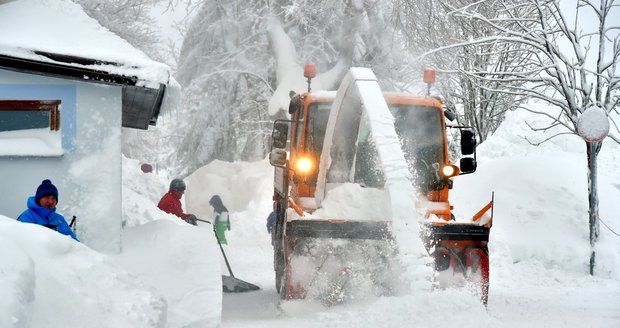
pixel 230 284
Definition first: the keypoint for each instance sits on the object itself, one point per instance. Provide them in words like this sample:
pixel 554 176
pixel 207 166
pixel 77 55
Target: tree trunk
pixel 592 152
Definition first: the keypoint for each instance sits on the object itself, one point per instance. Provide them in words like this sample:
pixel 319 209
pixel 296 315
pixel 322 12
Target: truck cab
pixel 420 124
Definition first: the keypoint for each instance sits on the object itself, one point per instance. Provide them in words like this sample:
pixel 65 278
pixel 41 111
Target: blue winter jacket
pixel 46 217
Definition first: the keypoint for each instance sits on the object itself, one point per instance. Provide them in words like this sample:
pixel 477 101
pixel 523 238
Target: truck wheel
pixel 289 288
pixel 278 281
pixel 477 263
pixel 443 259
pixel 285 287
pixel 279 268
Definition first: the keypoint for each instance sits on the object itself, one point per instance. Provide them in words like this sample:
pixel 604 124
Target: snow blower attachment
pixel 339 153
pixel 230 284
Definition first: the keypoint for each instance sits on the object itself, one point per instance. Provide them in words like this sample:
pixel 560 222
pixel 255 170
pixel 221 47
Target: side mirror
pixel 449 114
pixel 468 165
pixel 468 142
pixel 279 135
pixel 277 157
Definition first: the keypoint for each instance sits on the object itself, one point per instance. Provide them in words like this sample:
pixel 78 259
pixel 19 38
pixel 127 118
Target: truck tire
pixel 278 267
pixel 477 263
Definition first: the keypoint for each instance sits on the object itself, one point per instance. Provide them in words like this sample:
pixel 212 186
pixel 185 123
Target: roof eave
pixel 141 105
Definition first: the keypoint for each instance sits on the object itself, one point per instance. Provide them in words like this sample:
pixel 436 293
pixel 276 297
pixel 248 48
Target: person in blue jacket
pixel 42 210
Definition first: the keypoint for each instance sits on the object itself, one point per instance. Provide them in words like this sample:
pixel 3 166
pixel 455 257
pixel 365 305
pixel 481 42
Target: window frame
pixel 52 106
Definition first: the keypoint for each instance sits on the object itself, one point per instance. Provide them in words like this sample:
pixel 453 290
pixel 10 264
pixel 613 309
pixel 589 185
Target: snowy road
pixel 515 301
pixel 246 309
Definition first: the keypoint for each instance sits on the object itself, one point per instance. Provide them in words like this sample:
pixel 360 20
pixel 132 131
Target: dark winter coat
pixel 271 221
pixel 220 211
pixel 49 218
pixel 217 204
pixel 171 203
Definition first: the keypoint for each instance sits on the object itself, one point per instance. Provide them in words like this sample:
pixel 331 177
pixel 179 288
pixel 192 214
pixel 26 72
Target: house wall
pixel 88 175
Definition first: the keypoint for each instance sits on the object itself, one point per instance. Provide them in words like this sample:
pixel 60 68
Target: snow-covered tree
pixel 240 59
pixel 572 53
pixel 129 19
pixel 224 70
pixel 430 25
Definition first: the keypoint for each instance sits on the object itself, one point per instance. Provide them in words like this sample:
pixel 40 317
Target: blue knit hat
pixel 45 189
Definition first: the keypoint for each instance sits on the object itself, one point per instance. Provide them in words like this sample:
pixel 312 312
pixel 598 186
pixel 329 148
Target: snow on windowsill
pixel 31 142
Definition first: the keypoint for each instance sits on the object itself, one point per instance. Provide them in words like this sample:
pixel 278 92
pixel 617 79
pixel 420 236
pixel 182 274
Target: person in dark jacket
pixel 42 210
pixel 295 103
pixel 171 201
pixel 221 222
pixel 271 221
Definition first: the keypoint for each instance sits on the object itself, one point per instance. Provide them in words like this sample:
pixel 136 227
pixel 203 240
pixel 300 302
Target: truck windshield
pixel 422 140
pixel 420 131
pixel 318 114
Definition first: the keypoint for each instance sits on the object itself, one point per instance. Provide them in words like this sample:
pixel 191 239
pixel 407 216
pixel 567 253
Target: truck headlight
pixel 449 171
pixel 304 165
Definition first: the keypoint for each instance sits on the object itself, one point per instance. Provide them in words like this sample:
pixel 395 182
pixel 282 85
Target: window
pixel 30 128
pixel 29 114
pixel 422 138
pixel 318 114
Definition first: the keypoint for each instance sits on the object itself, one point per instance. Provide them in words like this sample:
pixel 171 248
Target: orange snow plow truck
pixel 319 255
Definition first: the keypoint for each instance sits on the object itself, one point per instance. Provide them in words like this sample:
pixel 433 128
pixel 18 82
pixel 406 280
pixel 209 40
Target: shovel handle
pixel 221 248
pixel 223 254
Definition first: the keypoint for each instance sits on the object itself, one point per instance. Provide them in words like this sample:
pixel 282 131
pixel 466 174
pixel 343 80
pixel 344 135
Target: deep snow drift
pixel 49 280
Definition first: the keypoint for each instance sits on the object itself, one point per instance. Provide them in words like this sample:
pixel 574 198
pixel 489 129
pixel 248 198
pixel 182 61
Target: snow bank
pixel 49 280
pixel 541 208
pixel 180 260
pixel 166 276
pixel 240 185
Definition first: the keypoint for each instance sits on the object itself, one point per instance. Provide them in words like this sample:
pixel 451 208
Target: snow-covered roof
pixel 31 27
pixel 57 38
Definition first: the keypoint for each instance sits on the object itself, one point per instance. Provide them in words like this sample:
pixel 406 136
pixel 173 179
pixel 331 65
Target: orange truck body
pixel 458 247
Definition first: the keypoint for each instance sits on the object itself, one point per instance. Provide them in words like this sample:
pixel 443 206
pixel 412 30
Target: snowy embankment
pixel 539 243
pixel 49 280
pixel 167 274
pixel 541 201
pixel 180 260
